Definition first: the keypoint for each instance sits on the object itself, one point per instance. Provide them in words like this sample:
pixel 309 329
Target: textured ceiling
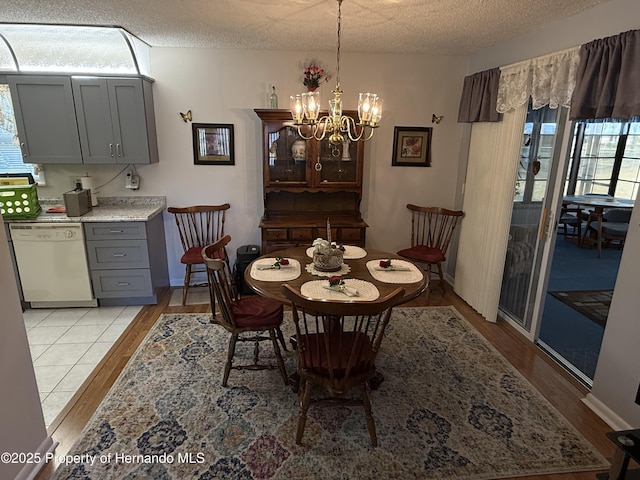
pixel 387 26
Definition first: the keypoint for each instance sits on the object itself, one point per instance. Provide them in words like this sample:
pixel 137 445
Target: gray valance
pixel 608 78
pixel 479 97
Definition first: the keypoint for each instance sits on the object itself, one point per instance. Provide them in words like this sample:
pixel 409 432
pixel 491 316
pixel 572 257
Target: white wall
pixel 21 420
pixel 618 370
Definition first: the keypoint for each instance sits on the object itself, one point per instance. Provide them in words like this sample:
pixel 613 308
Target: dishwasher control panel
pixel 35 232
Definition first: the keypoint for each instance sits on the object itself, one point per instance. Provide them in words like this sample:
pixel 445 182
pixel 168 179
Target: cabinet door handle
pixel 119 149
pixel 116 231
pixel 111 148
pixel 123 284
pixel 23 148
pixel 118 254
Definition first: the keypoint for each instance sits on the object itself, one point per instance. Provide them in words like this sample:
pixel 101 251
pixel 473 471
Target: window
pixel 605 159
pixel 536 154
pixel 10 153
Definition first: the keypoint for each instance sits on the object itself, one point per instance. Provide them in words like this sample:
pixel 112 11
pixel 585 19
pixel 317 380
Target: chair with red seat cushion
pixel 431 232
pixel 198 226
pixel 337 345
pixel 247 319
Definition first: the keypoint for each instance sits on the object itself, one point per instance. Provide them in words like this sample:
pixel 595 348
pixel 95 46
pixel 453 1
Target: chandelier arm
pixel 371 129
pixel 321 126
pixel 349 126
pixel 299 127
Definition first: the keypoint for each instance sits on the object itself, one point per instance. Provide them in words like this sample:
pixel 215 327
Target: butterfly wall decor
pixel 435 118
pixel 186 116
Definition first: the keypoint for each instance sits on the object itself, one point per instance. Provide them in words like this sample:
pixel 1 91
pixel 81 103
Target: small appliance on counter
pixel 77 202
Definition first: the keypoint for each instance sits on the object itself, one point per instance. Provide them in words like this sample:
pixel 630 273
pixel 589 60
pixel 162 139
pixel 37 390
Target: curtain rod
pixel 559 52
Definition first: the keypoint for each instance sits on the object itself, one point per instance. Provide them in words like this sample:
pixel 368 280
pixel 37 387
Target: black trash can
pixel 244 256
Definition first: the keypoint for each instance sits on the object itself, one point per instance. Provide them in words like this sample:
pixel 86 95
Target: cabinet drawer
pixel 350 234
pixel 115 230
pixel 107 255
pixel 275 233
pixel 301 234
pixel 122 283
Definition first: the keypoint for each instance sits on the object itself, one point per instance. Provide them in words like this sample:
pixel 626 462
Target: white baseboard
pixel 605 413
pixel 46 449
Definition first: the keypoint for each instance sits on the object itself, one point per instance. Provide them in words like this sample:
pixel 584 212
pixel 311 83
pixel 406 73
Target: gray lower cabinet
pixel 127 260
pixel 45 118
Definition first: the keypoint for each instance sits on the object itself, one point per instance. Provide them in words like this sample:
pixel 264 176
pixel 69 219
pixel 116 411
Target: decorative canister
pixel 299 151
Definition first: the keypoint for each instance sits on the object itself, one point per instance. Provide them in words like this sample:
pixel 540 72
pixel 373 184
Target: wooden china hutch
pixel 306 182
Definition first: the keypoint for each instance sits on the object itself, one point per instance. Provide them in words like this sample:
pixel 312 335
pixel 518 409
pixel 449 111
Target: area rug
pixel 196 296
pixel 450 407
pixel 593 304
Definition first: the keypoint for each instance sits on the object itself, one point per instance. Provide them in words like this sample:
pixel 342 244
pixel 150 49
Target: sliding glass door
pixel 532 218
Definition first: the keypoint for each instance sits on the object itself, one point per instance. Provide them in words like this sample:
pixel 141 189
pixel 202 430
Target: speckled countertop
pixel 109 209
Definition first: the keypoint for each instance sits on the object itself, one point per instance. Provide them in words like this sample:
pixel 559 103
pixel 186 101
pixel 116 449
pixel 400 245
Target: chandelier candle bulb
pixel 296 108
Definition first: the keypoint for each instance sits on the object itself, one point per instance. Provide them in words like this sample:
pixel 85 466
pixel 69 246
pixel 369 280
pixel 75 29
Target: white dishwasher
pixel 53 264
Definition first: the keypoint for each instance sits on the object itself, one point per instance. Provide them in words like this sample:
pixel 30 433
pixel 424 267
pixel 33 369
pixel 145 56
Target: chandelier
pixel 305 109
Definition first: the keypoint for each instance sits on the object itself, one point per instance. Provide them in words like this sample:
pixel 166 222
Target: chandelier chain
pixel 338 45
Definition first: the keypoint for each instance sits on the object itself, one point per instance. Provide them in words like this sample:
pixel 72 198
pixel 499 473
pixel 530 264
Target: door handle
pixel 546 223
pixel 111 149
pixel 119 149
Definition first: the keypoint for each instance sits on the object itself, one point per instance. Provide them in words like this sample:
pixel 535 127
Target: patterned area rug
pixel 593 304
pixel 451 407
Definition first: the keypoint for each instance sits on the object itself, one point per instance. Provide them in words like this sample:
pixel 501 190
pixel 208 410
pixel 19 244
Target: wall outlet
pixel 133 181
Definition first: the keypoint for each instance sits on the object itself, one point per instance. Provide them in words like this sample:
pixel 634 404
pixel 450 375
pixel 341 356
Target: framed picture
pixel 412 147
pixel 213 144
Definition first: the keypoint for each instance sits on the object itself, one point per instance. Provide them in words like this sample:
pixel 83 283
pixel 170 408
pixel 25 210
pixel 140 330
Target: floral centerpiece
pixel 327 257
pixel 313 75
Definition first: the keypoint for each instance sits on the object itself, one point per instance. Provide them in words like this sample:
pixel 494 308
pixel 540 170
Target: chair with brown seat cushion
pixel 247 319
pixel 337 345
pixel 431 232
pixel 198 226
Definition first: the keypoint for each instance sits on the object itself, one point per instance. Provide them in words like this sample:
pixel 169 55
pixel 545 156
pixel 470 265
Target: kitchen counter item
pixel 53 264
pixel 77 202
pixel 19 202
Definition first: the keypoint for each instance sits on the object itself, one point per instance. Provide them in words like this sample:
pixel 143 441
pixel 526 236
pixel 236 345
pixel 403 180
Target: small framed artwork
pixel 412 147
pixel 213 144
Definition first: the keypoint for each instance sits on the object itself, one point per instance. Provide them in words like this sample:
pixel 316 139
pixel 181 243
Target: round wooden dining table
pixel 358 270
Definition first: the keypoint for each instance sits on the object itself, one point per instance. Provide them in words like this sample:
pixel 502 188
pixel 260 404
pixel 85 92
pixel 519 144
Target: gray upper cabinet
pixel 45 118
pixel 115 120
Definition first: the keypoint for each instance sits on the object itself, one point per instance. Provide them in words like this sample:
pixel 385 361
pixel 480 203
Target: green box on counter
pixel 19 202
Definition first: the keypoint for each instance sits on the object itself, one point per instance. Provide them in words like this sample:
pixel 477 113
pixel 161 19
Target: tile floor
pixel 66 344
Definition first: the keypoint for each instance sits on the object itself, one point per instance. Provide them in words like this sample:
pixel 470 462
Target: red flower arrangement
pixel 335 281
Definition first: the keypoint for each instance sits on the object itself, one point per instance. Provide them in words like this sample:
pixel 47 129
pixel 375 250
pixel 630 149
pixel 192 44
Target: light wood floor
pixel 562 390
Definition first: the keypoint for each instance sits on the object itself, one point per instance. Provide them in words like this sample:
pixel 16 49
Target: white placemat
pixel 344 269
pixel 350 252
pixel 283 274
pixel 316 289
pixel 395 276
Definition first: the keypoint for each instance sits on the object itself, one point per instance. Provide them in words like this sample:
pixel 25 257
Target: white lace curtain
pixel 548 80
